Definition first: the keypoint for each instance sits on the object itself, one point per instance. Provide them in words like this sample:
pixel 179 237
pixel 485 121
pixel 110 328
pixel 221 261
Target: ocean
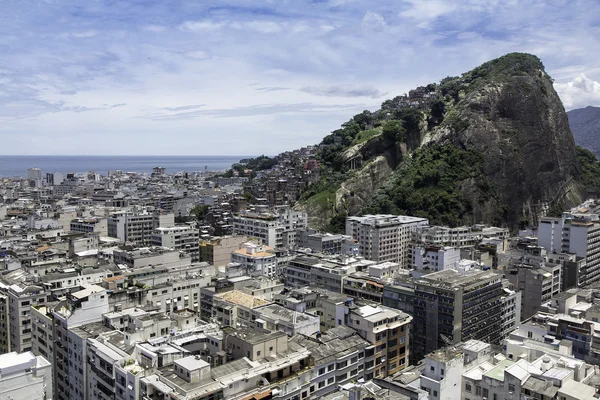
pixel 14 166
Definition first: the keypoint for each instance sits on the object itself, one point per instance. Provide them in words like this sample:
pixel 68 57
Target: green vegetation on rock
pixel 428 185
pixel 590 168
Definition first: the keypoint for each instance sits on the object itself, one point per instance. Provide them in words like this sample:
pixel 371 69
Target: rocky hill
pixel 492 145
pixel 585 125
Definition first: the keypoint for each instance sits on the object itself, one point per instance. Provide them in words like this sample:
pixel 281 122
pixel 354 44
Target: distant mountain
pixel 492 145
pixel 585 125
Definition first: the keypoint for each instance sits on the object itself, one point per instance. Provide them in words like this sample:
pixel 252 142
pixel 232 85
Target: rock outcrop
pixel 492 146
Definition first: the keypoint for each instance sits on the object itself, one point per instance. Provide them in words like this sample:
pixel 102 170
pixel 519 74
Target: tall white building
pixel 183 238
pixel 384 237
pixel 434 258
pixel 54 178
pixel 577 232
pixel 138 226
pixel 34 176
pixel 34 173
pixel 276 230
pixel 79 308
pixel 24 376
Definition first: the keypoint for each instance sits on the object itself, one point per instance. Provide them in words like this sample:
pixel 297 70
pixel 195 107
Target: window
pixel 258 353
pixel 485 392
pixel 432 368
pixel 330 367
pixel 478 390
pixel 321 371
pixel 511 387
pixel 468 387
pixel 330 380
pixel 435 393
pixel 321 384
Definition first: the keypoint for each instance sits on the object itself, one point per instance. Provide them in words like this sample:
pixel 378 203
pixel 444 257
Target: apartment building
pixel 20 296
pixel 338 357
pixel 25 376
pixel 537 285
pixel 256 260
pixel 576 232
pixel 138 226
pixel 434 257
pixel 384 237
pixel 387 331
pixel 452 306
pixel 276 229
pixel 81 307
pixel 89 225
pixel 217 251
pixel 182 238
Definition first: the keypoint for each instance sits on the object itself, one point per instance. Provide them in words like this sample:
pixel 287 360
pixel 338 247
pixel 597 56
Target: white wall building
pixel 256 260
pixel 24 376
pixel 577 233
pixel 435 258
pixel 384 237
pixel 183 238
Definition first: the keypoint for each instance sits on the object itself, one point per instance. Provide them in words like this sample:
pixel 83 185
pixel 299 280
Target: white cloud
pixel 198 26
pixel 373 21
pixel 580 92
pixel 197 55
pixel 344 91
pixel 425 11
pixel 311 62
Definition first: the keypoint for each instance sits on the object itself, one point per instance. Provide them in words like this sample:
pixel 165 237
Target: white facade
pixel 256 260
pixel 25 377
pixel 274 229
pixel 574 233
pixel 183 238
pixel 442 376
pixel 137 227
pixel 384 237
pixel 435 258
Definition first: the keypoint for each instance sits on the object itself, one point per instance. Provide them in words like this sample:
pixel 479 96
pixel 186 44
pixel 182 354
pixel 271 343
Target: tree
pixel 394 131
pixel 199 212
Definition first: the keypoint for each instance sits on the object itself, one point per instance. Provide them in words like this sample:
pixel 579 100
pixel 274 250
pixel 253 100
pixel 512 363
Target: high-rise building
pixel 277 229
pixel 452 306
pixel 54 178
pixel 34 173
pixel 384 237
pixel 138 227
pixel 183 238
pixel 576 232
pixel 25 376
pixel 80 307
pixel 387 330
pixel 16 329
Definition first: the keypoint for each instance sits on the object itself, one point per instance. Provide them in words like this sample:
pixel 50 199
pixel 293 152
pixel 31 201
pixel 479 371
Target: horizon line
pixel 131 155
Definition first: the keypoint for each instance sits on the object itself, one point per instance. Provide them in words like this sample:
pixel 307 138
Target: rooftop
pixel 242 299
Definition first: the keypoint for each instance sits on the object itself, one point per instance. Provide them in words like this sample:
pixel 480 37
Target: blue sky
pixel 254 77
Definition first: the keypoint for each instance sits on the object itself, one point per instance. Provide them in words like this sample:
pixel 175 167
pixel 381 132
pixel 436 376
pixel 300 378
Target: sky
pixel 240 77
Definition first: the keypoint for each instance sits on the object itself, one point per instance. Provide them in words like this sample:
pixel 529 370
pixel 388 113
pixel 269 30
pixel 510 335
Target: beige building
pixel 217 251
pixel 388 332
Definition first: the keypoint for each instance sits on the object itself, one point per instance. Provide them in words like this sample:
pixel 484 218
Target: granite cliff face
pixel 492 145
